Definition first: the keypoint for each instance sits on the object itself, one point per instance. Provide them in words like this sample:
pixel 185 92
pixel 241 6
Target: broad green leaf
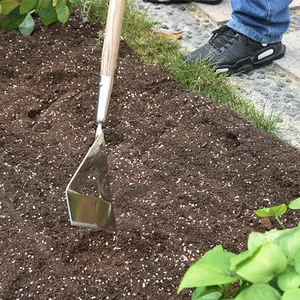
pixel 44 3
pixel 27 26
pixel 27 6
pixel 260 264
pixel 8 6
pixel 0 9
pixel 208 293
pixel 274 211
pixel 47 12
pixel 12 20
pixel 198 292
pixel 62 11
pixel 297 261
pixel 69 4
pixel 295 204
pixel 293 294
pixel 259 291
pixel 256 239
pixel 212 269
pixel 289 242
pixel 241 258
pixel 289 279
pixel 211 296
pixel 55 2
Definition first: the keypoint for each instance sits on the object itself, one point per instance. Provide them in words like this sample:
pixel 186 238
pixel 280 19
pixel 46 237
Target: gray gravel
pixel 295 20
pixel 271 88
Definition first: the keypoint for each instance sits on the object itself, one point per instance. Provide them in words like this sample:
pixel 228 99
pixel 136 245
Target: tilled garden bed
pixel 186 173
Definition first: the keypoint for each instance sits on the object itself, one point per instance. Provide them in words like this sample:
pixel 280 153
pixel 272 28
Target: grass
pixel 154 48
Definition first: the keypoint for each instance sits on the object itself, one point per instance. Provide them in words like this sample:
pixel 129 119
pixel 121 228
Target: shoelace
pixel 222 37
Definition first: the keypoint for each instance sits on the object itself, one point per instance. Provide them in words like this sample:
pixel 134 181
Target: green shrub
pixel 18 15
pixel 268 270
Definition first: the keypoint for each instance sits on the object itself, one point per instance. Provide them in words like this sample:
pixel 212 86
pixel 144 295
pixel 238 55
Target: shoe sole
pixel 251 62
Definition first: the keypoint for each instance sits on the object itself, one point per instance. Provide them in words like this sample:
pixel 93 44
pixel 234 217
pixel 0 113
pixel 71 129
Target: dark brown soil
pixel 186 173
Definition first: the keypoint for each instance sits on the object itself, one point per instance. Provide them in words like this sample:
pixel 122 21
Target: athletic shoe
pixel 232 52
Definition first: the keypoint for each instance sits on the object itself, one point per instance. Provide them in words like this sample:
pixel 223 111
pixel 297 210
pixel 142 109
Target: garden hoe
pixel 89 210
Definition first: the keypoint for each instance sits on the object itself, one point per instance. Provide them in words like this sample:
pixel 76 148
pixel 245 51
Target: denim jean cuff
pixel 252 34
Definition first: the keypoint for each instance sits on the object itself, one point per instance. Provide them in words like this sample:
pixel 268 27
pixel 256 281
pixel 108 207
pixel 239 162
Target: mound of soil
pixel 186 173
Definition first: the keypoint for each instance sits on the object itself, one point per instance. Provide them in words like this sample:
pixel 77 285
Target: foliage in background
pixel 94 10
pixel 269 269
pixel 18 15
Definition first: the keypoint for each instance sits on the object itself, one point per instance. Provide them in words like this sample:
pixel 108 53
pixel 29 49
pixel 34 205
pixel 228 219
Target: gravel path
pixel 272 88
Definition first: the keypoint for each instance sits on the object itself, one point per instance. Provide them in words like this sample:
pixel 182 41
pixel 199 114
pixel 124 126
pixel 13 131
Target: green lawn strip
pixel 154 48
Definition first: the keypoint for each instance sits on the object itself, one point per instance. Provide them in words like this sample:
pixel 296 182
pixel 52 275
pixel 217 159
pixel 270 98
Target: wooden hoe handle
pixel 112 37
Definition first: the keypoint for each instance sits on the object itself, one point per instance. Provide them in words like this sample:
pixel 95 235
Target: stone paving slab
pixel 295 20
pixel 291 61
pixel 295 4
pixel 218 14
pixel 221 13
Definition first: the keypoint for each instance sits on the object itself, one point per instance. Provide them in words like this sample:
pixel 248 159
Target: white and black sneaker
pixel 232 52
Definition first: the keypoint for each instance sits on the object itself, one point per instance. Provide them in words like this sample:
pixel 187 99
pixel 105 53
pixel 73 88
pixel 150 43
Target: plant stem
pixel 279 222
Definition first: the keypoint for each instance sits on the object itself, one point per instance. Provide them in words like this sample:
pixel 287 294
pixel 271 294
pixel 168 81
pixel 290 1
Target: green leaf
pixel 212 269
pixel 69 4
pixel 274 211
pixel 297 261
pixel 8 6
pixel 289 242
pixel 27 26
pixel 0 9
pixel 12 20
pixel 289 279
pixel 208 293
pixel 293 294
pixel 62 11
pixel 259 291
pixel 260 264
pixel 295 204
pixel 198 292
pixel 211 296
pixel 47 12
pixel 256 239
pixel 27 6
pixel 44 3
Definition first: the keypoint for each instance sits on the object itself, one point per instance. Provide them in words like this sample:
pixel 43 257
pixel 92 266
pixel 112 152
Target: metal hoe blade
pixel 85 210
pixel 91 211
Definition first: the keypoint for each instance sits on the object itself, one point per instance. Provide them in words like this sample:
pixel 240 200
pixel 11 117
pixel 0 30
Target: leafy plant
pixel 18 15
pixel 268 270
pixel 278 210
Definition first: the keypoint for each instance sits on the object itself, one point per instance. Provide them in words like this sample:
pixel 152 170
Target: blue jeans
pixel 264 21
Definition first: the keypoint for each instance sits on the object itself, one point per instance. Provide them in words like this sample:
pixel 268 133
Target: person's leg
pixel 264 21
pixel 251 38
